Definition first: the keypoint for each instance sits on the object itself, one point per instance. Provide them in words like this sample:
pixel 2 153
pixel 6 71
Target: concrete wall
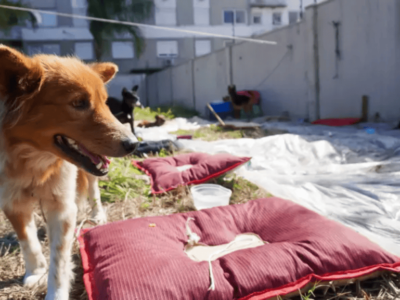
pixel 280 73
pixel 120 81
pixel 182 84
pixel 370 62
pixel 211 78
pixel 164 89
pixel 184 12
pixel 286 74
pixel 152 90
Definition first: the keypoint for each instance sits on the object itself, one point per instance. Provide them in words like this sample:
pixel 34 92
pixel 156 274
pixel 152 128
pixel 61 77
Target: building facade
pixel 71 36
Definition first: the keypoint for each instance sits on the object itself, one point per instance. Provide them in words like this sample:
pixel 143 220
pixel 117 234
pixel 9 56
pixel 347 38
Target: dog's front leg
pixel 21 217
pixel 98 214
pixel 61 218
pixel 61 210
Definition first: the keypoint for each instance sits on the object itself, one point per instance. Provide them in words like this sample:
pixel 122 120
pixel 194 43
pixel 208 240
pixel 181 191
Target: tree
pixel 10 18
pixel 122 10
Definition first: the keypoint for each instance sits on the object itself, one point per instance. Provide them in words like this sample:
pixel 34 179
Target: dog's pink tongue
pixel 106 162
pixel 96 159
pixel 93 157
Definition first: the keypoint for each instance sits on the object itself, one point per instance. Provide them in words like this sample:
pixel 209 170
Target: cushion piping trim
pixel 261 295
pixel 138 164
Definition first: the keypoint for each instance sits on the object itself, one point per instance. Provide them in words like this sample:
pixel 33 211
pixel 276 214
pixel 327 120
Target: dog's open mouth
pixel 91 162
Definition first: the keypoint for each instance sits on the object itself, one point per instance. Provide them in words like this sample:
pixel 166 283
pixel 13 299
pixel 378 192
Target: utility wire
pixel 35 11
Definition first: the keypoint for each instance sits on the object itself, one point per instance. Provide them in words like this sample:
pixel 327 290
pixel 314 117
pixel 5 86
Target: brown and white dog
pixel 54 124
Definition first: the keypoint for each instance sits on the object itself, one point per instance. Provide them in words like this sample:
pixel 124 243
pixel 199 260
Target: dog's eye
pixel 81 104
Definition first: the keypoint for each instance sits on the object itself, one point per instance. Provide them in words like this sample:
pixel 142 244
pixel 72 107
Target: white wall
pixel 369 41
pixel 165 12
pixel 182 85
pixel 370 64
pixel 211 78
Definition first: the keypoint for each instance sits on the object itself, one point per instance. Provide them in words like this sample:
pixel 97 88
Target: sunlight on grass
pixel 121 183
pixel 211 133
pixel 172 112
pixel 242 190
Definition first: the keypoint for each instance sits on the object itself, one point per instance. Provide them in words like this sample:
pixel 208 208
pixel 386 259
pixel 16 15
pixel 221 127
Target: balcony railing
pixel 268 3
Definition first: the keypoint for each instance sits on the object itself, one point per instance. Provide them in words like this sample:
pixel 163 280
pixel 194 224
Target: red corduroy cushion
pixel 135 260
pixel 165 176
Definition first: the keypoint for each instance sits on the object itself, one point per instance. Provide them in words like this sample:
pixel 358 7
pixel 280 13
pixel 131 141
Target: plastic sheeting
pixel 343 173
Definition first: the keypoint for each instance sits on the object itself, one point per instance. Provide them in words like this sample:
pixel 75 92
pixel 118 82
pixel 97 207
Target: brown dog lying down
pixel 160 120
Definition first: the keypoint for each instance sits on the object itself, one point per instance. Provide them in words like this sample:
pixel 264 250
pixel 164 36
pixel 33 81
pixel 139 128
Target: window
pixel 256 19
pixel 51 49
pixel 48 20
pixel 43 4
pixel 203 47
pixel 45 48
pixel 77 21
pixel 78 3
pixel 239 16
pixel 84 50
pixel 293 17
pixel 228 16
pixel 167 49
pixel 33 49
pixel 277 18
pixel 122 50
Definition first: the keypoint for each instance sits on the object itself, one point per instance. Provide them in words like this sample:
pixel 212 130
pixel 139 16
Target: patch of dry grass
pixel 215 133
pixel 126 195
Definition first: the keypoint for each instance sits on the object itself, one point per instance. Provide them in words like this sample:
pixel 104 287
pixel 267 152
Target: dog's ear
pixel 19 74
pixel 106 70
pixel 124 91
pixel 135 88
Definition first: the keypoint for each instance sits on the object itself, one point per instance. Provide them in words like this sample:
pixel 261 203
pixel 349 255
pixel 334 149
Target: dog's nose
pixel 129 145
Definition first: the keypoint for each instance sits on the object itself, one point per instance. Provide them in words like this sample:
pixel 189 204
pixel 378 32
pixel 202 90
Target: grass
pixel 149 114
pixel 215 133
pixel 122 182
pixel 125 194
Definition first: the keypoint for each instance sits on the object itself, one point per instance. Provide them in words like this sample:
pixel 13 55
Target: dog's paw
pixel 37 278
pixel 99 216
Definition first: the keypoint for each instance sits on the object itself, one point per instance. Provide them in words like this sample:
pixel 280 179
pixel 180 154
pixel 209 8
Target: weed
pixel 121 183
pixel 149 114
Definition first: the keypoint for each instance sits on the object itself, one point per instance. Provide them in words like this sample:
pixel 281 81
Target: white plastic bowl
pixel 210 195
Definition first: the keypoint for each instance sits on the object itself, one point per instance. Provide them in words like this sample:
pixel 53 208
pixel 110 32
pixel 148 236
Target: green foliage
pixel 121 183
pixel 169 112
pixel 310 293
pixel 10 18
pixel 164 153
pixel 121 10
pixel 211 133
pixel 242 190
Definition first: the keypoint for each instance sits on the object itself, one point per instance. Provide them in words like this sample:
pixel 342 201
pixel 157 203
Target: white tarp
pixel 344 174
